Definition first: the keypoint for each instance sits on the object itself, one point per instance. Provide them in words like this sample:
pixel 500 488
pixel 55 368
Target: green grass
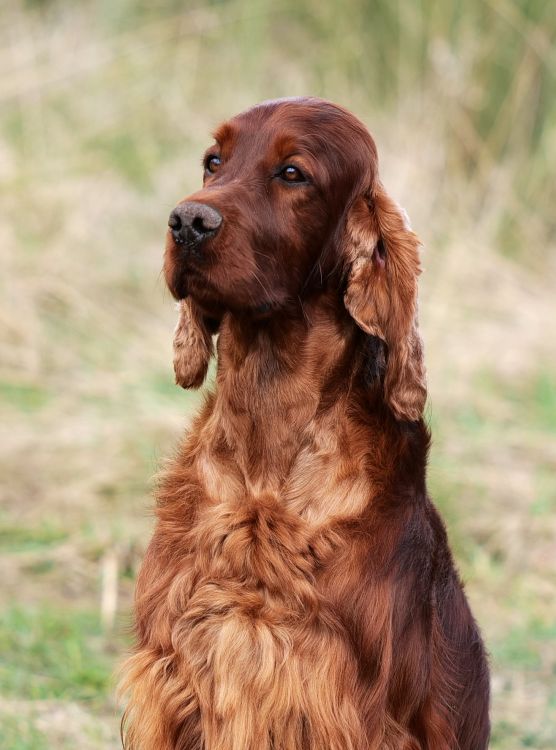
pixel 523 645
pixel 52 654
pixel 19 733
pixel 27 398
pixel 26 539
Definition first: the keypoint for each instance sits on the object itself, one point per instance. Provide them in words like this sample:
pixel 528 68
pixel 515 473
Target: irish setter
pixel 299 592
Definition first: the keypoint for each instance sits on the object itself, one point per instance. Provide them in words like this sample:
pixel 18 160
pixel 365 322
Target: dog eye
pixel 289 173
pixel 212 163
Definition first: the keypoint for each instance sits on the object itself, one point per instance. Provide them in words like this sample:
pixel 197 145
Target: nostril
pixel 198 225
pixel 206 219
pixel 174 221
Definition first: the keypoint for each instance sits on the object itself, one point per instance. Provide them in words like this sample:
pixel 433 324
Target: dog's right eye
pixel 212 162
pixel 289 173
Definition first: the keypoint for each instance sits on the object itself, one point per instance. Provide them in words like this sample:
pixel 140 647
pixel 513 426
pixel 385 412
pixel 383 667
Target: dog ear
pixel 193 346
pixel 381 295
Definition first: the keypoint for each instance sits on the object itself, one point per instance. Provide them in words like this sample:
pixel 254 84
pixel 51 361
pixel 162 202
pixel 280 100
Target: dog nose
pixel 192 222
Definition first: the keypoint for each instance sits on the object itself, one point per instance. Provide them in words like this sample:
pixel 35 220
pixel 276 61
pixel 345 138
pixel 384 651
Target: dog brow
pixel 224 132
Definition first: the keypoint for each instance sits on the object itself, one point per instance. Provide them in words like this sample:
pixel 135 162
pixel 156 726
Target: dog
pixel 299 592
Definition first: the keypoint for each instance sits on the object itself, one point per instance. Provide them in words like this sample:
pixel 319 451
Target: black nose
pixel 191 223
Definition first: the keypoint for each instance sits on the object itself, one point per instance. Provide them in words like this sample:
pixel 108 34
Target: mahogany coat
pixel 299 592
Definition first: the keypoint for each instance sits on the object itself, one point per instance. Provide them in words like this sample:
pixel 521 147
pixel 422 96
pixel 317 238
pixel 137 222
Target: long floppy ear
pixel 381 295
pixel 192 345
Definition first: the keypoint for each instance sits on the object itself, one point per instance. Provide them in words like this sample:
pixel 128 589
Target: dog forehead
pixel 296 117
pixel 283 126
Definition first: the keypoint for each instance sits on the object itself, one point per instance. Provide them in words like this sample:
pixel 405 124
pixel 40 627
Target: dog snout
pixel 191 223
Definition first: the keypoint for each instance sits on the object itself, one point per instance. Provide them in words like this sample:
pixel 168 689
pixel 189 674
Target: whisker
pixel 307 319
pixel 265 290
pixel 264 255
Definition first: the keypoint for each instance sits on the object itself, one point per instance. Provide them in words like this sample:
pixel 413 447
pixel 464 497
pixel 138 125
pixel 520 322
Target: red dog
pixel 299 592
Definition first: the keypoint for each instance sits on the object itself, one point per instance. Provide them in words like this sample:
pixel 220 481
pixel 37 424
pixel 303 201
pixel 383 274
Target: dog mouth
pixel 193 281
pixel 190 271
pixel 207 294
pixel 187 249
pixel 187 280
pixel 184 261
pixel 179 277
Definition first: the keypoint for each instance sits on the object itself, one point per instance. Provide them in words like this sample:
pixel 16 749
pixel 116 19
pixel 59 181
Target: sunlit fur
pixel 298 592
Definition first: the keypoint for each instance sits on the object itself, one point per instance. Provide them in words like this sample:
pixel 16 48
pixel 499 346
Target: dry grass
pixel 104 111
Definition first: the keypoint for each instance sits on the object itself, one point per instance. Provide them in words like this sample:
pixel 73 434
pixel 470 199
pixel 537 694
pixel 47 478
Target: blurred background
pixel 105 109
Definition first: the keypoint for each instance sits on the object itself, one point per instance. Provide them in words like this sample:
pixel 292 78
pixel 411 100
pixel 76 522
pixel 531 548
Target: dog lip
pixel 191 246
pixel 194 257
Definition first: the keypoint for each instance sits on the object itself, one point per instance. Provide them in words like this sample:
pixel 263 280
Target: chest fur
pixel 256 637
pixel 259 643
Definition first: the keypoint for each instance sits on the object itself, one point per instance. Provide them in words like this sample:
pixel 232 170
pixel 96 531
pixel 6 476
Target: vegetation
pixel 105 109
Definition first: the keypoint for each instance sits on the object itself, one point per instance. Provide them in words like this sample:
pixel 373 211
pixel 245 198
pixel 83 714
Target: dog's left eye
pixel 289 173
pixel 212 162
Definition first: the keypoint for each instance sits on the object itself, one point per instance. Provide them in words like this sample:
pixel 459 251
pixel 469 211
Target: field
pixel 105 109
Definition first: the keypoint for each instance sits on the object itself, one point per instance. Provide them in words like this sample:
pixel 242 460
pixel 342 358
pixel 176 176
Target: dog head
pixel 291 201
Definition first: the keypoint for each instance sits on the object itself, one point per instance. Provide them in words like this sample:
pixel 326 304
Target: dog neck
pixel 278 380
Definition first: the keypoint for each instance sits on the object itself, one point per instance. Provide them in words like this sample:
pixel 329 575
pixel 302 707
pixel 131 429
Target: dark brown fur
pixel 299 591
